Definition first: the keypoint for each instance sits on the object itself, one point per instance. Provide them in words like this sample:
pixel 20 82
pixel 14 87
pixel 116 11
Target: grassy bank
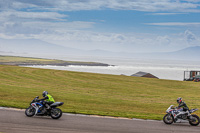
pixel 99 94
pixel 16 60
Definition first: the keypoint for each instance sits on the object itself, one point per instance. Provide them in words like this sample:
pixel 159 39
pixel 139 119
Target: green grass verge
pixel 16 60
pixel 98 94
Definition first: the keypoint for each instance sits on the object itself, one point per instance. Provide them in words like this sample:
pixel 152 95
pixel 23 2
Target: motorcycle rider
pixel 49 99
pixel 182 107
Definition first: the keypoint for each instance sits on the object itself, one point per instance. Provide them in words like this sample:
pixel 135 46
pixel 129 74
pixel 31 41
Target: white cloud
pixel 192 1
pixel 32 19
pixel 77 5
pixel 122 42
pixel 167 13
pixel 191 37
pixel 113 41
pixel 29 28
pixel 175 24
pixel 16 22
pixel 33 16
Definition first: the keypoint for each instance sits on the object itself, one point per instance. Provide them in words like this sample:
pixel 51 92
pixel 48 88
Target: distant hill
pixel 189 50
pixel 34 46
pixel 37 47
pixel 190 53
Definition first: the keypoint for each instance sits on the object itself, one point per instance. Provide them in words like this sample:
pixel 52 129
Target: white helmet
pixel 44 93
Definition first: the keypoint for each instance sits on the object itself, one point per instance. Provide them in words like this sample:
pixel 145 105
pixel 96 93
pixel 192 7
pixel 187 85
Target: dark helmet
pixel 44 93
pixel 179 100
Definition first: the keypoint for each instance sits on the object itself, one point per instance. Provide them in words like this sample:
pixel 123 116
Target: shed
pixel 144 74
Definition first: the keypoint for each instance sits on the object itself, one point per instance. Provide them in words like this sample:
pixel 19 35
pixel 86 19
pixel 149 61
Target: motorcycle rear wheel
pixel 194 122
pixel 168 119
pixel 30 111
pixel 56 113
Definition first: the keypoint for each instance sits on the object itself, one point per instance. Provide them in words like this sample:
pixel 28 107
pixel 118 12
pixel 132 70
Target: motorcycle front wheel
pixel 30 111
pixel 56 113
pixel 194 121
pixel 168 119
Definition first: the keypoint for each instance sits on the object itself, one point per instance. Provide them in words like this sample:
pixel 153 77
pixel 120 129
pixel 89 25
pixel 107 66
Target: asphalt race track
pixel 15 121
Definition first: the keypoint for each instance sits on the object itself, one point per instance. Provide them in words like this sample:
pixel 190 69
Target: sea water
pixel 163 69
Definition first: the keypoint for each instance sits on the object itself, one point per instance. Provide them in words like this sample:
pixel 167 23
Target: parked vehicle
pixel 37 108
pixel 172 112
pixel 197 78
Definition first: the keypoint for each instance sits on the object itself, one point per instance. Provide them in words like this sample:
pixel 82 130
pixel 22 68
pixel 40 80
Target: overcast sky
pixel 114 25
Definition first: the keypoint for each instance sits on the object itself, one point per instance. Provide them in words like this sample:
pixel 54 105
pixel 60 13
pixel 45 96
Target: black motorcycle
pixel 37 108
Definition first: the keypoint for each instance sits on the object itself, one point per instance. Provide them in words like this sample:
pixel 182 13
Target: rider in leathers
pixel 182 107
pixel 49 99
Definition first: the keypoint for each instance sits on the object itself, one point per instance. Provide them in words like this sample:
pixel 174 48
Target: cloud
pixel 44 20
pixel 20 22
pixel 153 5
pixel 78 5
pixel 31 16
pixel 167 13
pixel 191 37
pixel 195 1
pixel 174 24
pixel 29 28
pixel 131 42
pixel 122 42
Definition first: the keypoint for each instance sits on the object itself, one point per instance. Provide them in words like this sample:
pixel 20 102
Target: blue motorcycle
pixel 37 108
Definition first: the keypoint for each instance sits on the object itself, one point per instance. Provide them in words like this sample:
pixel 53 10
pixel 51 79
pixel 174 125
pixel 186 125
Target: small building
pixel 191 75
pixel 144 74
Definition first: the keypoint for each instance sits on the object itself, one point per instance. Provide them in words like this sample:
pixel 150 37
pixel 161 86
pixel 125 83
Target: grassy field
pixel 99 94
pixel 16 60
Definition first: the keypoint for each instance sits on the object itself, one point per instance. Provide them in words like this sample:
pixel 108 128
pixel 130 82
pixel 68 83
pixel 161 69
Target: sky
pixel 112 25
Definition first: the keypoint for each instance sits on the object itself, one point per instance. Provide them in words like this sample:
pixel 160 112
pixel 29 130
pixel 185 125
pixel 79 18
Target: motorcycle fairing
pixel 56 104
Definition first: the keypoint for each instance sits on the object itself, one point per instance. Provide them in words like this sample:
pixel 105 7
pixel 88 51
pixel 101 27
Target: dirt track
pixel 15 121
